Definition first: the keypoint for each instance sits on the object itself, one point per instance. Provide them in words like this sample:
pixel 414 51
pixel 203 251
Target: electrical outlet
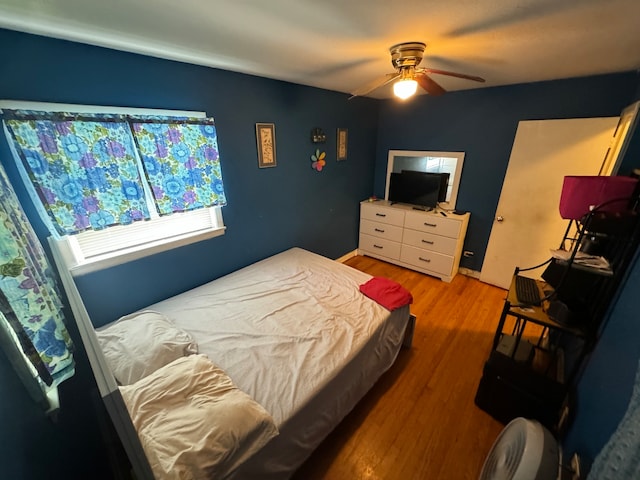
pixel 575 467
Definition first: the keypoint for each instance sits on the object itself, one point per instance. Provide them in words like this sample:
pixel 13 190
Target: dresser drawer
pixel 377 213
pixel 433 223
pixel 380 246
pixel 424 259
pixel 381 230
pixel 428 241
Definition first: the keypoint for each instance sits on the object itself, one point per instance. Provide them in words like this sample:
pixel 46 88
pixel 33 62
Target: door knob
pixel 499 218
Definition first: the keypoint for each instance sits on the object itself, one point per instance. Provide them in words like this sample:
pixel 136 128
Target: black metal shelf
pixel 571 315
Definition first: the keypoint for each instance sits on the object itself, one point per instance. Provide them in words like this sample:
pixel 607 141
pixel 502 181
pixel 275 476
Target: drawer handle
pixel 381 214
pixel 378 230
pixel 428 242
pixel 378 246
pixel 430 224
pixel 424 259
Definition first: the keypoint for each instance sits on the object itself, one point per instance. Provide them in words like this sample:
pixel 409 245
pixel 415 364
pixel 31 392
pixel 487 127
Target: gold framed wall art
pixel 266 140
pixel 341 144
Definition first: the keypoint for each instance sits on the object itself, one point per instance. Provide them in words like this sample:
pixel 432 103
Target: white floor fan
pixel 525 450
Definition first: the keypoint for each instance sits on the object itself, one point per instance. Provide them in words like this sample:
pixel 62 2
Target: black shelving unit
pixel 538 351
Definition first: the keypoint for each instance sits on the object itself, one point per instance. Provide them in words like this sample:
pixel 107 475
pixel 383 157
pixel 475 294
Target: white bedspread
pixel 294 332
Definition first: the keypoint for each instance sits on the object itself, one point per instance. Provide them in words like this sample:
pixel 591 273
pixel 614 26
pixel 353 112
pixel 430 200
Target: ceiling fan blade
pixel 453 74
pixel 429 85
pixel 377 83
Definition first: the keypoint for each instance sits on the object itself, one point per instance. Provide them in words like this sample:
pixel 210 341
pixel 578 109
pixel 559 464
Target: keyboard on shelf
pixel 527 291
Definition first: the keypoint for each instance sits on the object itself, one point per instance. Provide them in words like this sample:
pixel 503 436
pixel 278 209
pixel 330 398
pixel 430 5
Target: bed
pixel 295 335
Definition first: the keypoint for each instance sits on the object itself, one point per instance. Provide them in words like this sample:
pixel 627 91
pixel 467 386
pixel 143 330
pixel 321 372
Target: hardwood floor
pixel 419 421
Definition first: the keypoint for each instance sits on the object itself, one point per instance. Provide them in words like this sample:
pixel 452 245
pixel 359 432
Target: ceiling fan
pixel 406 57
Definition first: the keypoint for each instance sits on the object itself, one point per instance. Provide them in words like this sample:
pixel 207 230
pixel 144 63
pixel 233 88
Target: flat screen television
pixel 415 188
pixel 444 182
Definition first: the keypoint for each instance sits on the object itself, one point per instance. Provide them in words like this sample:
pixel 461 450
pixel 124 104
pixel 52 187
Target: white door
pixel 527 222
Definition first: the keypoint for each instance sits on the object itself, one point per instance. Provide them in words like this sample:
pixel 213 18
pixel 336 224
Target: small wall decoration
pixel 318 136
pixel 266 138
pixel 317 160
pixel 341 144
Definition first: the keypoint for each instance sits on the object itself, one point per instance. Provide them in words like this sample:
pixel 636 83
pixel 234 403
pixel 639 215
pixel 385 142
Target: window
pixel 96 249
pixel 117 184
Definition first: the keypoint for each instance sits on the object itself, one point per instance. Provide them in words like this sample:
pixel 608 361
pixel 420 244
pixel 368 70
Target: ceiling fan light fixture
pixel 406 58
pixel 405 88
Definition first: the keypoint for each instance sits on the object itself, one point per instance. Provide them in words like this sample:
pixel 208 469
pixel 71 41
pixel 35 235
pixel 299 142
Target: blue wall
pixel 272 209
pixel 36 447
pixel 269 210
pixel 482 123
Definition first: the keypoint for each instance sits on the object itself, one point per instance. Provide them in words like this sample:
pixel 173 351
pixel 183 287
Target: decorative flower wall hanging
pixel 318 161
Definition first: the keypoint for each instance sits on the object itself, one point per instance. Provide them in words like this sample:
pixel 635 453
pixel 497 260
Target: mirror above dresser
pixel 428 162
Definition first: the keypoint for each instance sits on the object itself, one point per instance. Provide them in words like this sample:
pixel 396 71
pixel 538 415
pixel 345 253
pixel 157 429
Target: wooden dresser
pixel 428 242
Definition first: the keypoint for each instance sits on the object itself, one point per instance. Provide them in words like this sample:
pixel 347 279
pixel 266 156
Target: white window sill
pixel 100 262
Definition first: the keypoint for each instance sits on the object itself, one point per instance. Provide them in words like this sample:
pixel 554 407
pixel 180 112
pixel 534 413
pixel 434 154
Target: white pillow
pixel 193 422
pixel 138 344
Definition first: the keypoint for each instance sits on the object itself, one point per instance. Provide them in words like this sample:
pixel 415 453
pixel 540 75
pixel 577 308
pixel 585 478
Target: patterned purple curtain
pixel 29 301
pixel 84 170
pixel 181 162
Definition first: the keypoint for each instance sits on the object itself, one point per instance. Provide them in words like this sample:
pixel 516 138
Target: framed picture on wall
pixel 266 140
pixel 341 144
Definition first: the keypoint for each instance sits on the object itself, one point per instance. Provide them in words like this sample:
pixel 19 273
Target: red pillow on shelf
pixel 580 194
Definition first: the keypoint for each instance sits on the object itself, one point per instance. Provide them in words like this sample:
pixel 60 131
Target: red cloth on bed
pixel 386 292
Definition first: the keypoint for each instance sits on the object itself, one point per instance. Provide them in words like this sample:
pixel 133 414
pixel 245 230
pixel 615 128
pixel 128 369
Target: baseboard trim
pixel 347 256
pixel 469 273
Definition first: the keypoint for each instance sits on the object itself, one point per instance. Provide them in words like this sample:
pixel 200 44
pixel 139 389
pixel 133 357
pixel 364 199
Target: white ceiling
pixel 342 44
